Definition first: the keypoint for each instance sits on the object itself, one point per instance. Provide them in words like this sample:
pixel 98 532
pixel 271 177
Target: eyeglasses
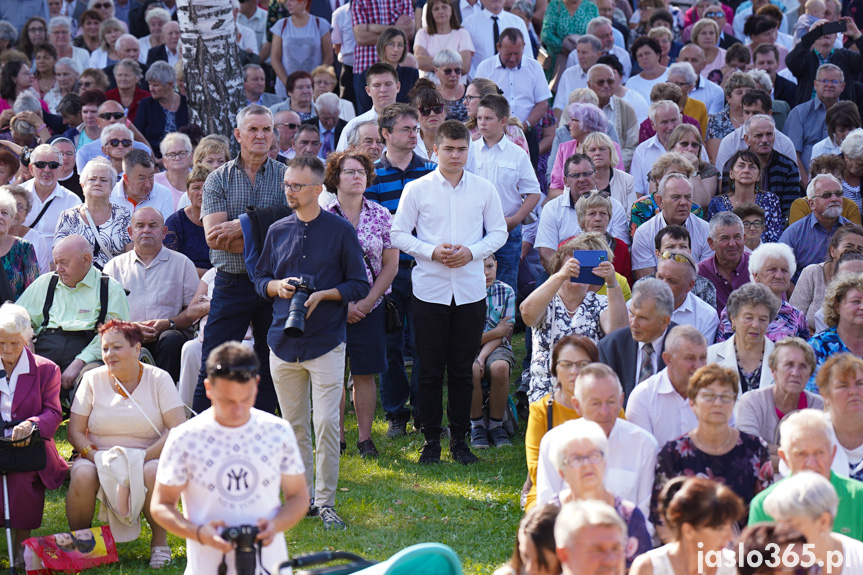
pixel 432 110
pixel 115 142
pixel 711 396
pixel 577 175
pixel 100 5
pixel 469 99
pixel 297 188
pixel 714 14
pixel 679 258
pixel 681 84
pixel 289 125
pixel 576 461
pixel 394 45
pixel 42 165
pixel 111 115
pixel 753 224
pixel 449 71
pixel 407 130
pixel 244 372
pixel 177 155
pixel 84 85
pixel 567 365
pixel 829 82
pixel 690 145
pixel 351 172
pixel 828 195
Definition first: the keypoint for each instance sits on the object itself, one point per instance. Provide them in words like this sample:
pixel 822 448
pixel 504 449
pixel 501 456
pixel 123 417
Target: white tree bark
pixel 211 66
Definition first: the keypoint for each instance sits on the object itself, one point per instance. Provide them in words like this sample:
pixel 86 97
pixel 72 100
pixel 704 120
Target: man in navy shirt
pixel 323 249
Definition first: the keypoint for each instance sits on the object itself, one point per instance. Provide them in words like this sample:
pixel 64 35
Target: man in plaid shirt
pixel 370 18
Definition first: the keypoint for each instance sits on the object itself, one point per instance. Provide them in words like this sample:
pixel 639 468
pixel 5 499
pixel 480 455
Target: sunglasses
pixel 432 110
pixel 677 258
pixel 43 164
pixel 291 126
pixel 112 115
pixel 715 15
pixel 115 142
pixel 449 71
pixel 237 372
pixel 100 5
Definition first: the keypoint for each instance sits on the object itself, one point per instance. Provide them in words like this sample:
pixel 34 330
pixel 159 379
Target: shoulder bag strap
pixel 136 404
pixel 49 299
pixel 42 212
pixel 103 300
pixel 550 412
pixel 95 231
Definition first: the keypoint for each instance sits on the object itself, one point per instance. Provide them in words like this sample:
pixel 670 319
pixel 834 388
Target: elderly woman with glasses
pixel 442 31
pixel 103 224
pixel 176 151
pixel 23 205
pixel 449 73
pixel 593 211
pixel 561 307
pixel 714 449
pixel 60 35
pixel 17 256
pixel 809 503
pixel 731 117
pixel 843 315
pixel 127 75
pixel 579 458
pixel 165 111
pixel 772 265
pixel 432 109
pixel 116 142
pixel 610 181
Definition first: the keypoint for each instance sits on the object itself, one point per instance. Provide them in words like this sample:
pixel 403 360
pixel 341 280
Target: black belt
pixel 60 330
pixel 407 264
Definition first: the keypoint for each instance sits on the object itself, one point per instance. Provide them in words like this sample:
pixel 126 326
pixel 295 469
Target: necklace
pixel 715 450
pixel 119 389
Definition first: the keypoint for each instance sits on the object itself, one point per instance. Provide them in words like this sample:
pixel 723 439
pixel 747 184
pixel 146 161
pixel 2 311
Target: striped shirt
pixel 783 179
pixel 228 189
pixel 384 12
pixel 500 303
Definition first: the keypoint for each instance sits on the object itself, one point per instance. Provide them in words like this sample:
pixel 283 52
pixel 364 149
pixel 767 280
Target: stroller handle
pixel 318 558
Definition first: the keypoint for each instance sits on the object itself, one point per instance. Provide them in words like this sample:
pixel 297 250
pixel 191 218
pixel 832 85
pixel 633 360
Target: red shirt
pixel 140 94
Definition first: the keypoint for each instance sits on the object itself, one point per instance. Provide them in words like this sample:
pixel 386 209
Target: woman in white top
pixel 66 72
pixel 647 53
pixel 699 515
pixel 617 183
pixel 842 118
pixel 300 42
pixel 176 151
pixel 155 19
pixel 105 54
pixel 809 503
pixel 705 34
pixel 442 30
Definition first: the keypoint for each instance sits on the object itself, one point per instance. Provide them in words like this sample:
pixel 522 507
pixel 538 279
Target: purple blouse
pixel 373 231
pixel 789 322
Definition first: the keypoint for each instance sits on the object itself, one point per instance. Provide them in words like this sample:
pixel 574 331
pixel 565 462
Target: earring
pixel 756 187
pixel 732 186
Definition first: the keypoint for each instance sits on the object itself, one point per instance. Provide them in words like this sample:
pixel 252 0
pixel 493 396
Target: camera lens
pixel 295 325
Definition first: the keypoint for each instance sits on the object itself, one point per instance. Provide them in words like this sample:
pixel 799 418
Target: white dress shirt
pixel 524 87
pixel 343 33
pixel 630 464
pixel 159 198
pixel 343 139
pixel 694 311
pixel 643 159
pixel 481 28
pixel 257 24
pixel 508 167
pixel 733 142
pixel 7 389
pixel 644 247
pixel 655 406
pixel 62 198
pixel 709 94
pixel 467 9
pixel 558 221
pixel 573 78
pixel 468 214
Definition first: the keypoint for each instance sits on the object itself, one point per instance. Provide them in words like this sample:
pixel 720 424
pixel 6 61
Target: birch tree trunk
pixel 211 66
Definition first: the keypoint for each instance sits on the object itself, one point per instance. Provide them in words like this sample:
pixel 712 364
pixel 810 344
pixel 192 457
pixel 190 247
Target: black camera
pixel 245 543
pixel 295 325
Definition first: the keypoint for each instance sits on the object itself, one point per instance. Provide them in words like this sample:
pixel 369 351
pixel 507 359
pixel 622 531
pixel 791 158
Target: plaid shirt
pixel 384 12
pixel 500 303
pixel 228 189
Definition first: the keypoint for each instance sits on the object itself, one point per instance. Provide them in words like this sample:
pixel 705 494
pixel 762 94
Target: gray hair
pixel 592 40
pixel 46 149
pixel 177 137
pixel 59 22
pixel 254 110
pixel 447 57
pixel 577 515
pixel 8 32
pixel 771 250
pixel 656 106
pixel 159 13
pixel 27 102
pixel 354 134
pixel 683 333
pixel 163 73
pixel 803 494
pixel 7 200
pixel 596 371
pixel 684 69
pixel 663 183
pixel 137 158
pixel 122 37
pixel 248 67
pixel 327 101
pixel 70 63
pixel 810 189
pixel 14 318
pixel 830 68
pixel 111 129
pixel 747 125
pixel 723 219
pixel 656 291
pixel 852 146
pixel 577 430
pixel 804 423
pixel 98 163
pixel 596 22
pixel 526 8
pixel 753 294
pixel 761 78
pixel 132 65
pixel 605 67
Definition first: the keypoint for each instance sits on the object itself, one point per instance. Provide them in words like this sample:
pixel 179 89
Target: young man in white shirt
pixel 459 222
pixel 223 483
pixel 508 167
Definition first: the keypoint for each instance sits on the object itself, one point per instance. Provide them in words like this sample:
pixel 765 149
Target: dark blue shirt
pixel 327 251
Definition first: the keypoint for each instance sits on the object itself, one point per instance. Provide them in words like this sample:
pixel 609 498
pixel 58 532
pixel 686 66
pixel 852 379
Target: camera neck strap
pixel 223 567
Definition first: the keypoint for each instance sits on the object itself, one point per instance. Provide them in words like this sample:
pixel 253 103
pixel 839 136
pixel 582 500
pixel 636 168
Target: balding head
pixel 73 258
pixel 147 229
pixel 114 108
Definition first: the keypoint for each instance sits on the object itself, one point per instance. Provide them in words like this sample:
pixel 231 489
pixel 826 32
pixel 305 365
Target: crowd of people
pixel 665 197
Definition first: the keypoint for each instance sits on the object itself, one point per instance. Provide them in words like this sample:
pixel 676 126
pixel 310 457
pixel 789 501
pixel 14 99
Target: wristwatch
pixel 172 324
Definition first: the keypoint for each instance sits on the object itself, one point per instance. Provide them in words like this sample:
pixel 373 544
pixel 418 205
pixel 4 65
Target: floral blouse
pixel 746 469
pixel 646 207
pixel 719 125
pixel 21 266
pixel 768 201
pixel 789 322
pixel 824 345
pixel 558 24
pixel 456 109
pixel 114 232
pixel 373 231
pixel 557 323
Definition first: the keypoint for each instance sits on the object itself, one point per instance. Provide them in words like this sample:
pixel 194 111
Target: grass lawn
pixel 389 504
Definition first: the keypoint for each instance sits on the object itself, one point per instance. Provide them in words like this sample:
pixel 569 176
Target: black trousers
pixel 448 338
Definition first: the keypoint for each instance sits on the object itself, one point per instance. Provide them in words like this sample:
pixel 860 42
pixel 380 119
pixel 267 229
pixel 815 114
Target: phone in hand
pixel 834 27
pixel 587 261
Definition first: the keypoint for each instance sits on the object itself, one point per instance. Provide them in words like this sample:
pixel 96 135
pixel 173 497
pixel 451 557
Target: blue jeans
pixel 508 257
pixel 396 390
pixel 235 303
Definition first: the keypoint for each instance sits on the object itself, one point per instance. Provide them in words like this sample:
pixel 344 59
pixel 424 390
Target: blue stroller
pixel 421 559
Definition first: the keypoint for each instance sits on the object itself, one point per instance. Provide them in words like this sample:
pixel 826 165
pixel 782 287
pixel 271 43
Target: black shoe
pixel 430 452
pixel 396 428
pixel 461 452
pixel 343 446
pixel 313 510
pixel 367 448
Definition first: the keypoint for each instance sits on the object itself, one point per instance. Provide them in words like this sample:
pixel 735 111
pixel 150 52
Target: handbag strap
pixel 95 231
pixel 136 404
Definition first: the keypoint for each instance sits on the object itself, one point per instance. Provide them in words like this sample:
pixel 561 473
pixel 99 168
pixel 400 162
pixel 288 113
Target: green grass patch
pixel 389 504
